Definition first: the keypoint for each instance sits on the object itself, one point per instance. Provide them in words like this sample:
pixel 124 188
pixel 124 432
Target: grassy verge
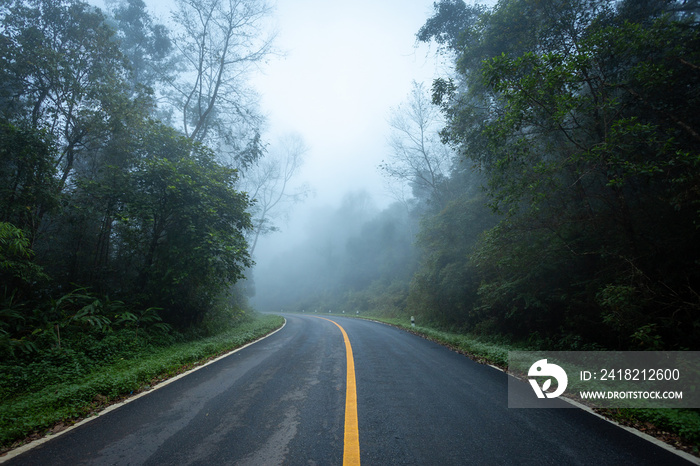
pixel 677 427
pixel 35 413
pixel 479 349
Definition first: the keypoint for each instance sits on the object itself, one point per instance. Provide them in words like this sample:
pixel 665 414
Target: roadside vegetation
pixel 125 217
pixel 46 391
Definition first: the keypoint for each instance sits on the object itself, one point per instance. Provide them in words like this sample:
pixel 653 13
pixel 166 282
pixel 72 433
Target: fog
pixel 523 175
pixel 337 74
pixel 342 250
pixel 514 169
pixel 343 68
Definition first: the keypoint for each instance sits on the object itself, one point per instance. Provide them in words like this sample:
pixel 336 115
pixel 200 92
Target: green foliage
pixel 28 188
pixel 580 115
pixel 444 288
pixel 146 45
pixel 16 257
pixel 683 422
pixel 187 219
pixel 64 73
pixel 447 26
pixel 18 274
pixel 114 228
pixel 148 318
pixel 105 197
pixel 577 119
pixel 228 311
pixel 65 323
pixel 66 385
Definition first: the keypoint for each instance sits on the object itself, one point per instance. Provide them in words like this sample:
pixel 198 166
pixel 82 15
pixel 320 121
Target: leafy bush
pixel 68 384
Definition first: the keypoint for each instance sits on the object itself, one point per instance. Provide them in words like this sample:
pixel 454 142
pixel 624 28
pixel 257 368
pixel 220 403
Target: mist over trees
pixel 581 118
pixel 268 183
pixel 217 43
pixel 352 258
pixel 546 189
pixel 565 211
pixel 122 145
pixel 417 161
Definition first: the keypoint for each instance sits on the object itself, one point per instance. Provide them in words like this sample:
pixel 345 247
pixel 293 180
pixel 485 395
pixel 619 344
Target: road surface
pixel 283 401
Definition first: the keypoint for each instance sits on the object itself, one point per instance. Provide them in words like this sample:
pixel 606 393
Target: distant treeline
pixel 569 213
pixel 111 216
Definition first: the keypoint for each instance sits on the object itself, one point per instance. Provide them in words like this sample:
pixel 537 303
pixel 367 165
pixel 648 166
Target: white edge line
pixel 638 433
pixel 31 445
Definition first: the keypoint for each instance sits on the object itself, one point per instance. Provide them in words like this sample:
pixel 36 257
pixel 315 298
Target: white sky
pixel 346 65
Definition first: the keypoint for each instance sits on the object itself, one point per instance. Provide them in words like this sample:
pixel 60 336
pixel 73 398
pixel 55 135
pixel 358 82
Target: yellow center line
pixel 351 452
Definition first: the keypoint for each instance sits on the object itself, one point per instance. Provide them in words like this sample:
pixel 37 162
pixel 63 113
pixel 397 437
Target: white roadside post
pixel 413 321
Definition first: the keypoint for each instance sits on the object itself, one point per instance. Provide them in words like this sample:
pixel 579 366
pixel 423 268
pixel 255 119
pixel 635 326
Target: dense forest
pixel 124 152
pixel 547 188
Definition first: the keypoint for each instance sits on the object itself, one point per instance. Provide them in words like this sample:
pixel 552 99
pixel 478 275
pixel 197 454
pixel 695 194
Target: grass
pixel 33 413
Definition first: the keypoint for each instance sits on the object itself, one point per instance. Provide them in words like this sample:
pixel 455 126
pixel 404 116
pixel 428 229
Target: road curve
pixel 282 401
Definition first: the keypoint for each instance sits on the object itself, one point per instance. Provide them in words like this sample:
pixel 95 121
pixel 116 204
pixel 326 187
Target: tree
pixel 95 193
pixel 587 138
pixel 146 45
pixel 418 158
pixel 452 19
pixel 187 222
pixel 444 287
pixel 19 276
pixel 220 41
pixel 267 184
pixel 28 184
pixel 65 74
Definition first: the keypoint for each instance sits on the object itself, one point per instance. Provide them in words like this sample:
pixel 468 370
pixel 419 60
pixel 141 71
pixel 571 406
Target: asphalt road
pixel 282 401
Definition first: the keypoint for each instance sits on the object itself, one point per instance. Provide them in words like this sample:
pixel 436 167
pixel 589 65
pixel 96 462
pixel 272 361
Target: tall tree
pixel 268 185
pixel 28 184
pixel 418 158
pixel 218 44
pixel 146 44
pixel 187 221
pixel 65 74
pixel 96 193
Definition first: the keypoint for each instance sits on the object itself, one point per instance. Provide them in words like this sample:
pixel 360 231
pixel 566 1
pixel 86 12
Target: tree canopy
pixel 580 115
pixel 102 202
